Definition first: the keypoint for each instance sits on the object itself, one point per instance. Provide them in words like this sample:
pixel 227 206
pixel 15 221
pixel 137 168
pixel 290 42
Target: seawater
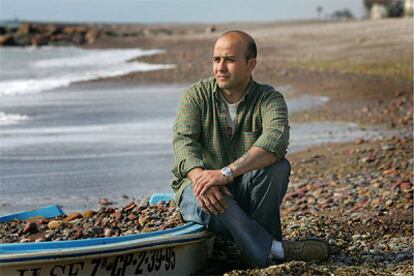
pixel 71 144
pixel 32 70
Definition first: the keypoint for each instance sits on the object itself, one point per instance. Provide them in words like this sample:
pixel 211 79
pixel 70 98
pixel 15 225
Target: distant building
pixel 408 7
pixel 377 9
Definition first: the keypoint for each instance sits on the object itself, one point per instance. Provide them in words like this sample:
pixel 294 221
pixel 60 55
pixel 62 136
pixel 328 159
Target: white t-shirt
pixel 231 116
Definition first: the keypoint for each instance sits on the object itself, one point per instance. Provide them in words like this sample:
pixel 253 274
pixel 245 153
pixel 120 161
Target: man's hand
pixel 212 202
pixel 207 180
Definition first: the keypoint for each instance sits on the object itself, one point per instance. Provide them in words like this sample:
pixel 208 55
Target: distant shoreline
pixel 40 33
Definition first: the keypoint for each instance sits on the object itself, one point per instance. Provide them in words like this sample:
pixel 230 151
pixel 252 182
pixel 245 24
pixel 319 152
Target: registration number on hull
pixel 143 262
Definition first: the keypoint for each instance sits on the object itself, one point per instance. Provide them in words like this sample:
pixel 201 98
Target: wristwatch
pixel 228 173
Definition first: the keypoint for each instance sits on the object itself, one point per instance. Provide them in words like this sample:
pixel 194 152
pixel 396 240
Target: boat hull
pixel 180 256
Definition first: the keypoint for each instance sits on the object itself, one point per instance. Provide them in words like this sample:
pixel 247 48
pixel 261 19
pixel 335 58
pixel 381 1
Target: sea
pixel 67 139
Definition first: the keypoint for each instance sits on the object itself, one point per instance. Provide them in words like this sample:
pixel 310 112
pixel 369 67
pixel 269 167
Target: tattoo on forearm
pixel 241 161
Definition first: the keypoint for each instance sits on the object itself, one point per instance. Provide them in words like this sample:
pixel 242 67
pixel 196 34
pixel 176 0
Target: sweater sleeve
pixel 186 135
pixel 275 125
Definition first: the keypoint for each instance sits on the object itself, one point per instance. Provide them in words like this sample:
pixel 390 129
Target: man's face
pixel 230 67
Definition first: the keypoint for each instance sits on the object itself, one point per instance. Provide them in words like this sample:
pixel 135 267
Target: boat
pixel 181 250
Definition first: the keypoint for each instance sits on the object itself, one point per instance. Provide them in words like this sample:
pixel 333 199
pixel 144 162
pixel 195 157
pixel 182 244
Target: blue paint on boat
pixel 155 198
pixel 47 212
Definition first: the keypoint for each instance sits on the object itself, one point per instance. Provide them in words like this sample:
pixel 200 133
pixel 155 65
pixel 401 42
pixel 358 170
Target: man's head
pixel 234 59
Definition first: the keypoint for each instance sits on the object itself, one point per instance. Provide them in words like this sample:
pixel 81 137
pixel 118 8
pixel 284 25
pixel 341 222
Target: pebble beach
pixel 357 195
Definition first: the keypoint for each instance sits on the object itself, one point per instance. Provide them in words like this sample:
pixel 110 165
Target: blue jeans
pixel 252 216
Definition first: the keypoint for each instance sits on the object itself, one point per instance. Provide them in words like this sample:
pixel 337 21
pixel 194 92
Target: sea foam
pixel 95 58
pixel 51 72
pixel 10 119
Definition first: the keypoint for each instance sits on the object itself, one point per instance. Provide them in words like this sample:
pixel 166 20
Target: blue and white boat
pixel 178 251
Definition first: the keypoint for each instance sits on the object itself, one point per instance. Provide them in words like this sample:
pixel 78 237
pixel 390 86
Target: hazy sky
pixel 123 11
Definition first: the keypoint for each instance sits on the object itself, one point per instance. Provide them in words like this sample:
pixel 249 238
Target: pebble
pixel 131 205
pixel 360 141
pixel 117 215
pixel 406 185
pixel 390 172
pixel 378 259
pixel 108 232
pixel 368 159
pixel 54 224
pixel 30 227
pixel 132 217
pixel 25 240
pixel 88 213
pixel 72 216
pixel 388 147
pixel 104 201
pixel 97 230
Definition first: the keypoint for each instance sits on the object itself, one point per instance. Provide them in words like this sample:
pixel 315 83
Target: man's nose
pixel 222 66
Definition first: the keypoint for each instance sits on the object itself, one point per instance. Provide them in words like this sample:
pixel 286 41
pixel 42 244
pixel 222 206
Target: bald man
pixel 230 139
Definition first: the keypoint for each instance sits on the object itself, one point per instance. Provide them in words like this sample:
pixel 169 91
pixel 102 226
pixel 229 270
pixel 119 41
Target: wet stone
pixel 104 201
pixel 108 232
pixel 88 213
pixel 54 224
pixel 97 230
pixel 132 217
pixel 72 216
pixel 30 227
pixel 401 257
pixel 388 147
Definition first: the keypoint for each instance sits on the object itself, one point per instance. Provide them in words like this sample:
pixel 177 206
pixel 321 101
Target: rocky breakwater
pixel 30 34
pixel 54 34
pixel 133 218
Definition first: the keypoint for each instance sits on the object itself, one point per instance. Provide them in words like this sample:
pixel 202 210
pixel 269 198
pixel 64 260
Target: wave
pixel 30 86
pixel 52 73
pixel 306 102
pixel 11 119
pixel 95 57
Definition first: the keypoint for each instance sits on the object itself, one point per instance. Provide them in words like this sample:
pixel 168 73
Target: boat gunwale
pixel 107 249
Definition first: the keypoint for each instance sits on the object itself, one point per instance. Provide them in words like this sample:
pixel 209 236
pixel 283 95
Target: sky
pixel 172 11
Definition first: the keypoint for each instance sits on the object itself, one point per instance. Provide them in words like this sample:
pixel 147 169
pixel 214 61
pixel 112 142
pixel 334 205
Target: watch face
pixel 227 171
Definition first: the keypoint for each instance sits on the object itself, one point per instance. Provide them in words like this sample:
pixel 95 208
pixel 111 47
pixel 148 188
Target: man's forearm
pixel 255 158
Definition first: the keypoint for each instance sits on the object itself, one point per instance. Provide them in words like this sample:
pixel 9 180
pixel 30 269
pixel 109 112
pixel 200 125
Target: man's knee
pixel 270 183
pixel 278 169
pixel 275 174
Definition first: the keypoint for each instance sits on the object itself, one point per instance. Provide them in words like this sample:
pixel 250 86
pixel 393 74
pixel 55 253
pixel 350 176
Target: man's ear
pixel 251 63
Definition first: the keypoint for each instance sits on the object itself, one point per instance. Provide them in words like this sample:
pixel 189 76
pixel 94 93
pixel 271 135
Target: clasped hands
pixel 209 187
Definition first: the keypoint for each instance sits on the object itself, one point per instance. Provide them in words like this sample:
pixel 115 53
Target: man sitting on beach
pixel 230 140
